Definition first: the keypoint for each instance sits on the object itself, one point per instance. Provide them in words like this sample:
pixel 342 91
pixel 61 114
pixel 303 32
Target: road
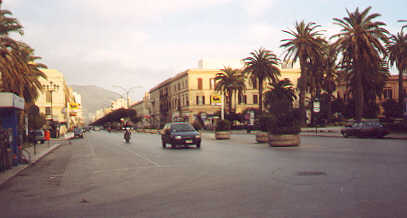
pixel 101 176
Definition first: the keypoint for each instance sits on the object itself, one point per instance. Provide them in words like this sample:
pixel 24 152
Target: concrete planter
pixel 284 140
pixel 262 137
pixel 222 135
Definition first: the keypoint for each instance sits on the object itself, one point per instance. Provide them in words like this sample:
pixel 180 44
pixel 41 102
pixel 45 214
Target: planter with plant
pixel 222 129
pixel 284 129
pixel 283 122
pixel 262 135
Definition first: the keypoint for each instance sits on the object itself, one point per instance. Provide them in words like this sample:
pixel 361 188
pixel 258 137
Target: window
pixel 245 99
pixel 48 111
pixel 212 83
pixel 203 99
pixel 387 93
pixel 239 99
pixel 197 100
pixel 255 99
pixel 200 83
pixel 48 96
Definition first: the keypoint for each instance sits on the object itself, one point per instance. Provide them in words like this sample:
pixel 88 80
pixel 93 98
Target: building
pixel 143 110
pixel 190 94
pixel 61 106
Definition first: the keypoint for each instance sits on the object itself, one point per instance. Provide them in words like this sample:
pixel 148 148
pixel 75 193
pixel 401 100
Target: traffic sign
pixel 317 107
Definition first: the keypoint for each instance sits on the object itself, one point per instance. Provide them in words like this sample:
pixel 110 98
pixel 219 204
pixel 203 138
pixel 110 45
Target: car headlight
pixel 178 137
pixel 197 136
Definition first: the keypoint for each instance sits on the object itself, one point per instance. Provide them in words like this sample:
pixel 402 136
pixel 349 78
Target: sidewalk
pixel 41 151
pixel 336 132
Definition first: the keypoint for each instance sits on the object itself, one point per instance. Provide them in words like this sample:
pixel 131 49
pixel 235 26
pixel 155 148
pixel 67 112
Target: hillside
pixel 94 98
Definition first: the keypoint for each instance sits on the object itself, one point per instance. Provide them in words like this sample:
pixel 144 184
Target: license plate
pixel 188 141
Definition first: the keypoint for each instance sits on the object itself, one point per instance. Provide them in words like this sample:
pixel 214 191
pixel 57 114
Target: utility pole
pixel 51 87
pixel 127 91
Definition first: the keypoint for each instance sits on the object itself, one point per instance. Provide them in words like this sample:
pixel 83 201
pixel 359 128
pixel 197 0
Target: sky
pixel 140 43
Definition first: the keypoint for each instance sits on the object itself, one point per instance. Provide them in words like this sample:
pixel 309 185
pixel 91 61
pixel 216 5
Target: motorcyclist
pixel 127 134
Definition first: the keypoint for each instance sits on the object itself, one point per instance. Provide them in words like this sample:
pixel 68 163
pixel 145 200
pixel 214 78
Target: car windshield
pixel 182 128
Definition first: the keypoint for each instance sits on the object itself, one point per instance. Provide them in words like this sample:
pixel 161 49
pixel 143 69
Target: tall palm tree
pixel 306 46
pixel 229 81
pixel 397 55
pixel 261 66
pixel 360 44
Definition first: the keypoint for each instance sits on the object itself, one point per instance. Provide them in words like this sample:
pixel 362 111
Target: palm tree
pixel 330 76
pixel 306 46
pixel 229 81
pixel 280 97
pixel 260 66
pixel 360 44
pixel 397 55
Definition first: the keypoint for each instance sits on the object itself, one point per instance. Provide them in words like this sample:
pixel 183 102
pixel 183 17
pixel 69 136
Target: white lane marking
pixel 142 157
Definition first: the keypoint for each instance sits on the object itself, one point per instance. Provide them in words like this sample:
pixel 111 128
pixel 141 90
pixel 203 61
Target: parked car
pixel 180 133
pixel 38 135
pixel 78 133
pixel 365 129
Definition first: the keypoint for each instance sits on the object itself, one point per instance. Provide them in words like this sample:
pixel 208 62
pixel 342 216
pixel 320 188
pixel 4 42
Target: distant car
pixel 180 133
pixel 78 133
pixel 365 129
pixel 38 135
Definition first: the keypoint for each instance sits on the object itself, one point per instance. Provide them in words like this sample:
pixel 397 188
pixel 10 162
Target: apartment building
pixel 190 93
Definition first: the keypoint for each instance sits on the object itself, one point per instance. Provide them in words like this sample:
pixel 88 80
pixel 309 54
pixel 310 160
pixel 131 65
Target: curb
pixel 11 173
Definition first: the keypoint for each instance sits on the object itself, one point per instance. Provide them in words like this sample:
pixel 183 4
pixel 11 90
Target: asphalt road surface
pixel 102 176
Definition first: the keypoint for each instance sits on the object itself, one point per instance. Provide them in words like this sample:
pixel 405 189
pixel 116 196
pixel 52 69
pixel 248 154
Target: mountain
pixel 94 98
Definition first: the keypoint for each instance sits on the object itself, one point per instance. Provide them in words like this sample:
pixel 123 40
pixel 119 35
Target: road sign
pixel 317 107
pixel 216 100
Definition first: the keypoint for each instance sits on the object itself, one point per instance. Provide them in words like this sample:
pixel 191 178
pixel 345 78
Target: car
pixel 365 129
pixel 38 135
pixel 180 133
pixel 78 133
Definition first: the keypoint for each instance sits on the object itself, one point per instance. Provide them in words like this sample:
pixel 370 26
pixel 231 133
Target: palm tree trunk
pixel 261 95
pixel 401 88
pixel 329 107
pixel 359 100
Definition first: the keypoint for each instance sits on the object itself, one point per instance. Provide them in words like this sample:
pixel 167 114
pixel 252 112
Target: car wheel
pixel 198 145
pixel 163 142
pixel 42 142
pixel 173 145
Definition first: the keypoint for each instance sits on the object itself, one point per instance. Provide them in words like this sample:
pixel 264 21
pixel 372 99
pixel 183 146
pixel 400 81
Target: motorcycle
pixel 127 136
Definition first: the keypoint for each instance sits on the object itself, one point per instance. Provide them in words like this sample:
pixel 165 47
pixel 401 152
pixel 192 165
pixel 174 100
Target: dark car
pixel 365 129
pixel 78 133
pixel 180 133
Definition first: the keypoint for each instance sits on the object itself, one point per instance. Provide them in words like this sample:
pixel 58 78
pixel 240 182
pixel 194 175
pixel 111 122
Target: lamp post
pixel 127 91
pixel 51 87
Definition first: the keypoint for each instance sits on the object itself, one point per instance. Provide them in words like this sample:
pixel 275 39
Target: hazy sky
pixel 143 42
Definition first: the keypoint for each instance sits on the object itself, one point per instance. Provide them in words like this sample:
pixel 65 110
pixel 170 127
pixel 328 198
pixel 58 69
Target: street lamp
pixel 51 87
pixel 127 91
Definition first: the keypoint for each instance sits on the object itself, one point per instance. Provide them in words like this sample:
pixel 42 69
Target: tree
pixel 229 81
pixel 261 66
pixel 360 44
pixel 280 97
pixel 306 46
pixel 397 55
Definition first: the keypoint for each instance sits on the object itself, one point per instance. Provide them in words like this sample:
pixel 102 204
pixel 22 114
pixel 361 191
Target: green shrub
pixel 223 125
